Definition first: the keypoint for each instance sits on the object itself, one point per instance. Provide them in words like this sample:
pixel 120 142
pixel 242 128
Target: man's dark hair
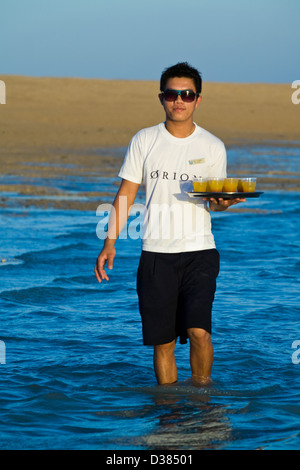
pixel 182 69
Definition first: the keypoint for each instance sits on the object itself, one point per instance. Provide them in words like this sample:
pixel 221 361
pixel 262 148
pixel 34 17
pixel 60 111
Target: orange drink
pixel 215 185
pixel 230 185
pixel 249 185
pixel 240 185
pixel 200 184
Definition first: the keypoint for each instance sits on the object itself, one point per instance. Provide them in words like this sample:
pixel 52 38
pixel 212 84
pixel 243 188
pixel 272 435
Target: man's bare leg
pixel 201 355
pixel 164 363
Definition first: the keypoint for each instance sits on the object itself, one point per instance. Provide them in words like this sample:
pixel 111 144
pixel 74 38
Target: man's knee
pixel 199 337
pixel 165 349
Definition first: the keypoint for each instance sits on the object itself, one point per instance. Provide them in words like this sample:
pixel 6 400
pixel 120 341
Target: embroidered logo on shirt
pixel 196 161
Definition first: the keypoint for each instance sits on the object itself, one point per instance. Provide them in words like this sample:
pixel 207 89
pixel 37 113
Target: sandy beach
pixel 56 127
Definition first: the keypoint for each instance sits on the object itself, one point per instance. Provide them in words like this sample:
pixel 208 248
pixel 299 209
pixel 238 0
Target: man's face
pixel 178 110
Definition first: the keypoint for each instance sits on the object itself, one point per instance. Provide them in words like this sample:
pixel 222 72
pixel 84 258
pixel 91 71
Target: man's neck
pixel 180 129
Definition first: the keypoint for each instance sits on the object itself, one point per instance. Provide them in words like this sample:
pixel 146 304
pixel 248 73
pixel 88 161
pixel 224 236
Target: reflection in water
pixel 188 421
pixel 182 417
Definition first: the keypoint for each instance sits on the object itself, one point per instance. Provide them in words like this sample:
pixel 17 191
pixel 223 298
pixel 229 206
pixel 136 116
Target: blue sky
pixel 227 40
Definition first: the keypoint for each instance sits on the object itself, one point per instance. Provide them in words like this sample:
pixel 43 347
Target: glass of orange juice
pixel 230 185
pixel 215 185
pixel 249 185
pixel 200 184
pixel 240 185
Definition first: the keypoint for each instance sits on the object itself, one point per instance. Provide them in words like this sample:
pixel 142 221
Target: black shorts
pixel 176 292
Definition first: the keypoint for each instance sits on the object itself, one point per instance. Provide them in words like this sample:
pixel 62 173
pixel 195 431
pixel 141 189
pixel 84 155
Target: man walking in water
pixel 179 263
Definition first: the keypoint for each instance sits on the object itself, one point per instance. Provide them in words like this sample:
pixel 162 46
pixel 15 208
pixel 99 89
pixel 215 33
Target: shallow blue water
pixel 76 375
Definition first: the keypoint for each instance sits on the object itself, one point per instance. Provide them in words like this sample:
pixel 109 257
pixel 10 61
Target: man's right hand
pixel 107 255
pixel 127 192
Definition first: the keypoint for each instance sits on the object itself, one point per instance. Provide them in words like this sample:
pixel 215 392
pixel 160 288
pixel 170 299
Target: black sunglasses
pixel 187 96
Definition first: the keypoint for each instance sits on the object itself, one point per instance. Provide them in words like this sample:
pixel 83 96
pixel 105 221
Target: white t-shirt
pixel 166 165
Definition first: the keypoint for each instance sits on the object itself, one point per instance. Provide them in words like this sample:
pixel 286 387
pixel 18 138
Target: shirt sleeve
pixel 132 168
pixel 219 165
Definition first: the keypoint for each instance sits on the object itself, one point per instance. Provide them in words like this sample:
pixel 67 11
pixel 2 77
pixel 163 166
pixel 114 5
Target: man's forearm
pixel 118 217
pixel 120 211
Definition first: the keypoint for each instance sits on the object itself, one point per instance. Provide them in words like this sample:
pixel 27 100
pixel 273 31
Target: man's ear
pixel 161 97
pixel 199 99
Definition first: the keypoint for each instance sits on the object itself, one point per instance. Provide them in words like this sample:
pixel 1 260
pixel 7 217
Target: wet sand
pixel 67 127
